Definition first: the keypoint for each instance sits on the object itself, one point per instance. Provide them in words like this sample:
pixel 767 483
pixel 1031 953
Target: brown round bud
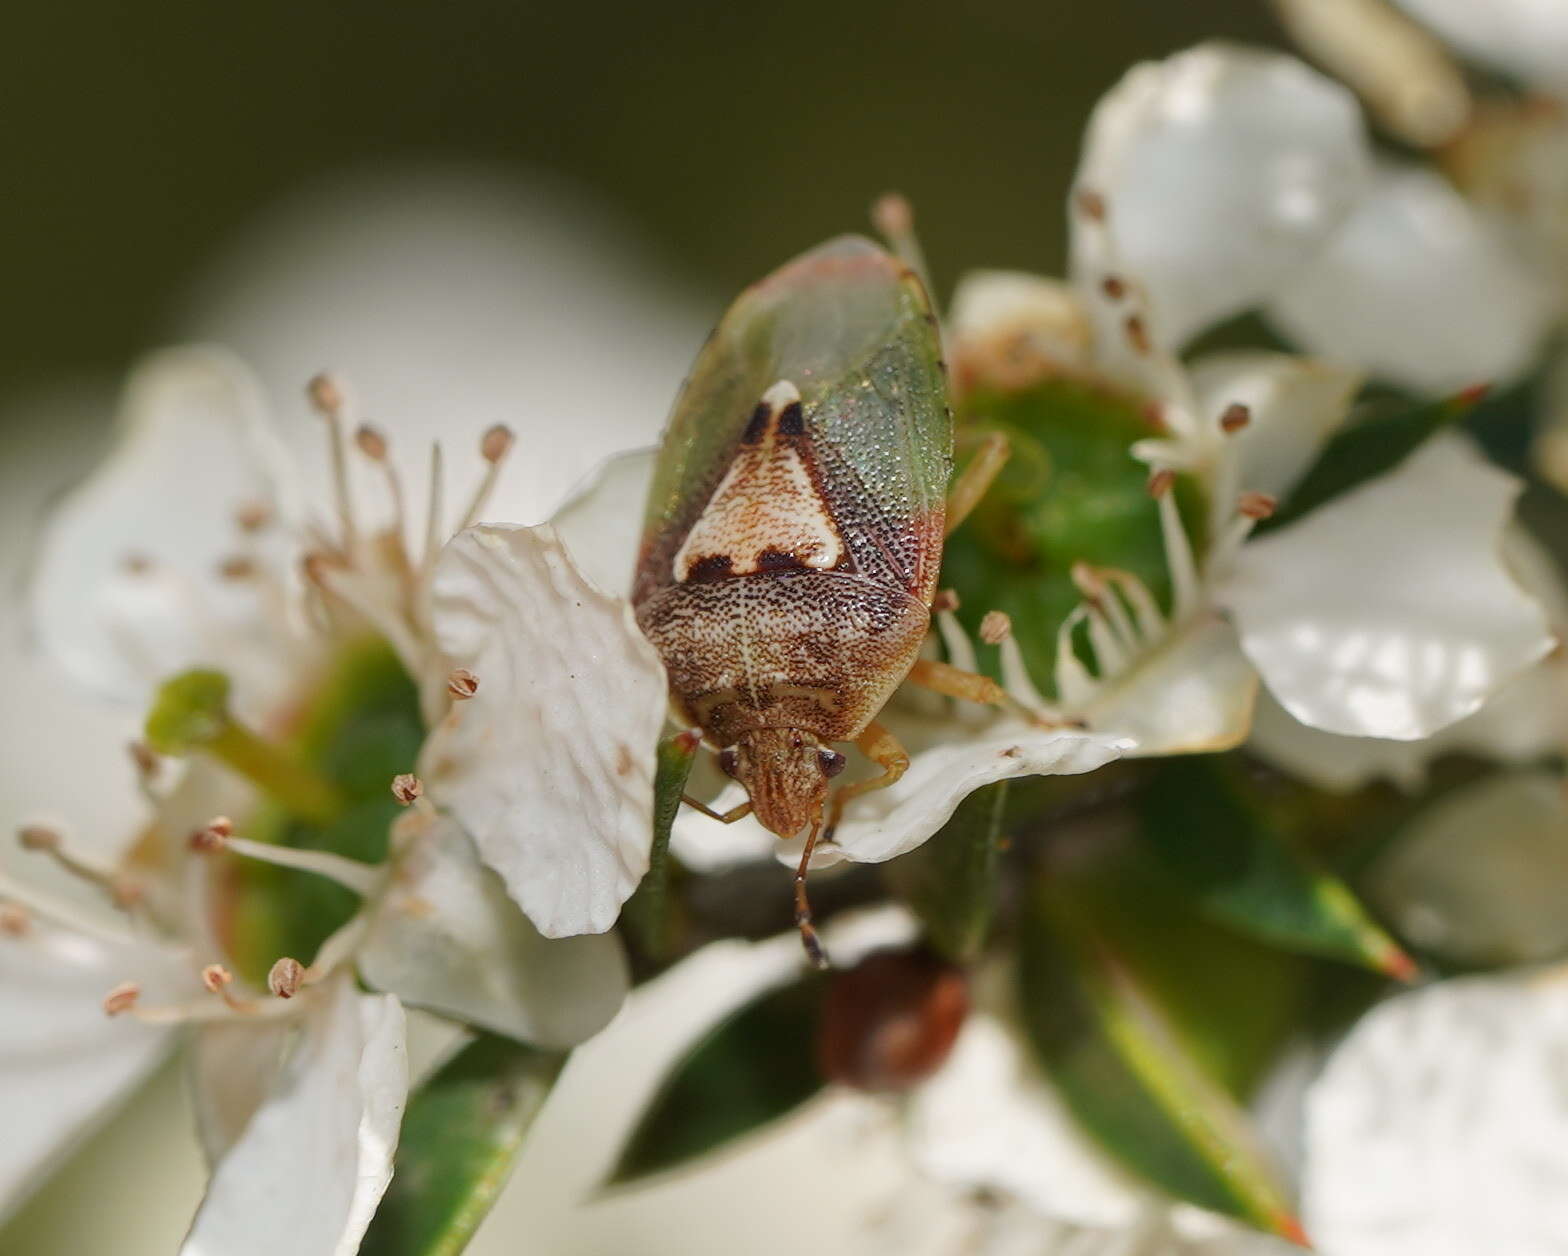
pixel 407 788
pixel 462 683
pixel 1235 417
pixel 996 627
pixel 286 977
pixel 39 837
pixel 325 394
pixel 890 1022
pixel 122 998
pixel 496 442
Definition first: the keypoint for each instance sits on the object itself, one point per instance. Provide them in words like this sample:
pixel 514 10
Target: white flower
pixel 185 550
pixel 1212 183
pixel 1438 1125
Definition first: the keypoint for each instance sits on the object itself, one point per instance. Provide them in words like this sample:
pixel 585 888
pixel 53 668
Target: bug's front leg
pixel 883 749
pixel 723 817
pixel 955 682
pixel 976 479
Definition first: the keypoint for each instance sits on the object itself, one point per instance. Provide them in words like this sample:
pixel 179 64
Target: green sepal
pixel 647 913
pixel 1197 819
pixel 754 1067
pixel 1150 1022
pixel 1369 447
pixel 951 881
pixel 463 1129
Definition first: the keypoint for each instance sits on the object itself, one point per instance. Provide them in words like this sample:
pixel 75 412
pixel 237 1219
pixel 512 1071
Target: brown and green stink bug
pixel 794 531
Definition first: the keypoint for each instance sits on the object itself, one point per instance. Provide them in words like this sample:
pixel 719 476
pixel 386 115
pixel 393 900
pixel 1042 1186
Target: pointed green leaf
pixel 752 1068
pixel 951 881
pixel 1104 1030
pixel 462 1130
pixel 1195 816
pixel 647 912
pixel 1370 447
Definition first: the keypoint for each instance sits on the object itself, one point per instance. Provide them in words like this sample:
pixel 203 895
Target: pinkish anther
pixel 215 977
pixel 996 627
pixel 325 394
pixel 1114 287
pixel 237 567
pixel 122 998
pixel 285 977
pixel 407 788
pixel 15 920
pixel 148 764
pixel 39 837
pixel 371 442
pixel 462 683
pixel 1091 204
pixel 1235 417
pixel 1256 505
pixel 1160 482
pixel 1138 335
pixel 496 443
pixel 253 516
pixel 945 600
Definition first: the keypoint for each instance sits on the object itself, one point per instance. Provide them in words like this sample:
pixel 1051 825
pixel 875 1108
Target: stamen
pixel 371 442
pixel 407 788
pixel 435 511
pixel 237 567
pixel 1091 204
pixel 1251 507
pixel 326 395
pixel 252 517
pixel 216 977
pixel 1178 550
pixel 121 999
pixel 15 920
pixel 1256 505
pixel 1138 335
pixel 493 446
pixel 1108 652
pixel 285 978
pixel 1092 583
pixel 31 903
pixel 1235 417
pixel 136 564
pixel 1114 287
pixel 148 764
pixel 41 839
pixel 945 600
pixel 955 641
pixel 1151 622
pixel 1075 685
pixel 363 879
pixel 997 629
pixel 461 683
pixel 338 949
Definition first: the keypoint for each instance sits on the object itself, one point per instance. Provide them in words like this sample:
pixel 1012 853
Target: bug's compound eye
pixel 728 761
pixel 830 761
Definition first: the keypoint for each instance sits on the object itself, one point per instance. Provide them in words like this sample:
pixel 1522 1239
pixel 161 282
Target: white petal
pixel 1388 612
pixel 193 449
pixel 1295 404
pixel 449 301
pixel 63 1063
pixel 233 1065
pixel 887 822
pixel 1438 1127
pixel 1524 37
pixel 446 936
pixel 550 767
pixel 1007 327
pixel 1480 876
pixel 1193 694
pixel 1420 289
pixel 1221 169
pixel 602 522
pixel 310 1168
pixel 987 1121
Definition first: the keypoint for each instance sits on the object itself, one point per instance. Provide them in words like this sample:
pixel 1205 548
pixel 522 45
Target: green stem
pixel 297 787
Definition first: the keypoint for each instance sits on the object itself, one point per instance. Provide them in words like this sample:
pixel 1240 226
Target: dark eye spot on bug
pixel 831 762
pixel 757 427
pixel 728 761
pixel 711 567
pixel 778 560
pixel 792 422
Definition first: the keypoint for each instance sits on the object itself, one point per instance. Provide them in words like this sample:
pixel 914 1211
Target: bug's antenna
pixel 808 931
pixel 894 217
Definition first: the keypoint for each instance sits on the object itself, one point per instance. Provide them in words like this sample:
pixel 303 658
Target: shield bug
pixel 794 531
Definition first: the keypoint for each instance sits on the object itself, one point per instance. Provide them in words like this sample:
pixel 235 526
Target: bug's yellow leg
pixel 883 749
pixel 975 479
pixel 723 817
pixel 955 682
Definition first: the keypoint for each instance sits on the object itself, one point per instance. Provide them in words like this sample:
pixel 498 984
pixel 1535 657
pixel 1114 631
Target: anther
pixel 1091 204
pixel 1138 335
pixel 285 978
pixel 39 837
pixel 462 683
pixel 1255 505
pixel 1235 417
pixel 996 627
pixel 122 998
pixel 371 442
pixel 213 836
pixel 325 394
pixel 134 564
pixel 15 920
pixel 1114 287
pixel 148 764
pixel 945 600
pixel 237 567
pixel 215 977
pixel 1088 581
pixel 1160 482
pixel 253 516
pixel 407 788
pixel 496 443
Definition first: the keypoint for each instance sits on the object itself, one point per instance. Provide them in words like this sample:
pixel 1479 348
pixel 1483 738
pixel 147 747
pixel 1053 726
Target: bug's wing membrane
pixel 851 328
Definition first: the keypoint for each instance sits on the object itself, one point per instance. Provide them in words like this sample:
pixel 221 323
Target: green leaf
pixel 1105 1031
pixel 462 1130
pixel 1369 447
pixel 1196 817
pixel 757 1065
pixel 647 912
pixel 1071 492
pixel 951 881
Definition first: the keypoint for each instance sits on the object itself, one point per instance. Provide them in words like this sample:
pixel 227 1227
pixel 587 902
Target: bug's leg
pixel 976 478
pixel 883 749
pixel 955 682
pixel 723 817
pixel 808 931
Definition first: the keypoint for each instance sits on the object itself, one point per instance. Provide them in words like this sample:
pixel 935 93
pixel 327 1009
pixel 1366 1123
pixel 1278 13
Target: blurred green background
pixel 141 137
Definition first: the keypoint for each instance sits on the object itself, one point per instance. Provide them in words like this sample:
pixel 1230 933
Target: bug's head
pixel 786 772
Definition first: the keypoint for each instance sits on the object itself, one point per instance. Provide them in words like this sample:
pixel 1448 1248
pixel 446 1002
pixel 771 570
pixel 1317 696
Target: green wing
pixel 852 329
